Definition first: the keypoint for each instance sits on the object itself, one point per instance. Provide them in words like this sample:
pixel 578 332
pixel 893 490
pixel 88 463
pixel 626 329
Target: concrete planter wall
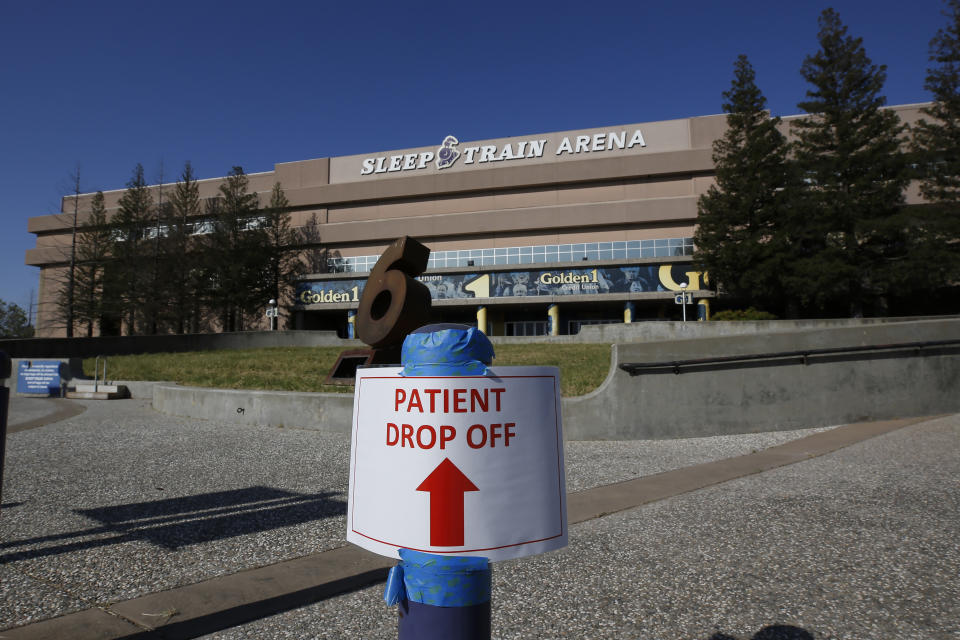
pixel 768 396
pixel 321 411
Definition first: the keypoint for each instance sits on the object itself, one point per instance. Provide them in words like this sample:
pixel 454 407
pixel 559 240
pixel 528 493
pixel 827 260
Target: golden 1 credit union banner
pixel 521 283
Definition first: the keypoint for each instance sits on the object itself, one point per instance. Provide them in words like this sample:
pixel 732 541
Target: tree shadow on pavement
pixel 773 632
pixel 173 523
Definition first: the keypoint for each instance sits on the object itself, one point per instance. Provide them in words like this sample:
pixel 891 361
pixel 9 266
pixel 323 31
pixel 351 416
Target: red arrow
pixel 446 485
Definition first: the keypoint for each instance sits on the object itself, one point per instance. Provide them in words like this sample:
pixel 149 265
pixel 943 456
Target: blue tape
pixel 446 350
pixel 394 592
pixel 440 581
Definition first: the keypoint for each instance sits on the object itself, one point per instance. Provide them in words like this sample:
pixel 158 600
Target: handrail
pixel 637 368
pixel 96 372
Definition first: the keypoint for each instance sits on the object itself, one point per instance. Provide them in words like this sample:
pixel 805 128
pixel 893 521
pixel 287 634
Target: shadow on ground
pixel 773 632
pixel 173 523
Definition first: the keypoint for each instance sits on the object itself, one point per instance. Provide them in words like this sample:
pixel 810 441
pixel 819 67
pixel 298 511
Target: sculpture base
pixel 344 370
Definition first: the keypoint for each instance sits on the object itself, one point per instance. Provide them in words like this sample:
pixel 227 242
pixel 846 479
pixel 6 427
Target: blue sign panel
pixel 39 376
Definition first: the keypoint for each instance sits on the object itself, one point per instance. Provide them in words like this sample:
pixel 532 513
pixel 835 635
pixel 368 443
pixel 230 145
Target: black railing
pixel 801 355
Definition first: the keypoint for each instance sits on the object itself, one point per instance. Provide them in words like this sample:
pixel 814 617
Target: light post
pixel 683 298
pixel 272 312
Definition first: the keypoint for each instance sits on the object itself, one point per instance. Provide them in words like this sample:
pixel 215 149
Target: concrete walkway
pixel 30 413
pixel 191 527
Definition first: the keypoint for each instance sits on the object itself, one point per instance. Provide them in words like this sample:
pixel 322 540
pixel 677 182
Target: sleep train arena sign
pixel 525 283
pixel 447 154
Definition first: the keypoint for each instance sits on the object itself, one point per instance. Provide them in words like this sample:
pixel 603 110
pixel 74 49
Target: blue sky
pixel 104 85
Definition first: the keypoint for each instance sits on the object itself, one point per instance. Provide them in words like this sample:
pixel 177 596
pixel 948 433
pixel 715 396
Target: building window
pixel 538 254
pixel 526 328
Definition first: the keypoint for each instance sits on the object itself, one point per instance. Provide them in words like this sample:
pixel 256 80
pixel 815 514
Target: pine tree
pixel 157 303
pixel 71 318
pixel 183 270
pixel 739 236
pixel 283 264
pixel 237 253
pixel 935 228
pixel 91 301
pixel 131 273
pixel 848 150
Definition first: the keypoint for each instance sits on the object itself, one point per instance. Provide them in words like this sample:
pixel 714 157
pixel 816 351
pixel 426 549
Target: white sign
pixel 468 466
pixel 446 155
pixel 683 298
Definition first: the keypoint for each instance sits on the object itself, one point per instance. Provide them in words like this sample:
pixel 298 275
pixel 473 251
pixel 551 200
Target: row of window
pixel 536 254
pixel 197 228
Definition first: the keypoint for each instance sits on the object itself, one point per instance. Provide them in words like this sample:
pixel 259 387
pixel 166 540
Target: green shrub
pixel 741 315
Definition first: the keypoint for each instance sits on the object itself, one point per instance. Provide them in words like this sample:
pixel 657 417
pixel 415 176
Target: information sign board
pixel 465 465
pixel 38 377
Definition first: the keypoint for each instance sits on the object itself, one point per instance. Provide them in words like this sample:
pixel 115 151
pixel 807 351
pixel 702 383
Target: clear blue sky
pixel 105 85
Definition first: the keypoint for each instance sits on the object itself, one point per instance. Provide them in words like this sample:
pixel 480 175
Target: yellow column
pixel 351 324
pixel 703 309
pixel 553 313
pixel 482 319
pixel 628 313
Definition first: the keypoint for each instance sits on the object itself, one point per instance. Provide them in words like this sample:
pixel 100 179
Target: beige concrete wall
pixel 621 190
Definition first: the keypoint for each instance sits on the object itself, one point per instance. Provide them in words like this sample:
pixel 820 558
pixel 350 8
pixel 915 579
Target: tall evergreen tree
pixel 72 271
pixel 131 223
pixel 237 254
pixel 932 240
pixel 182 267
pixel 740 235
pixel 156 304
pixel 283 263
pixel 848 150
pixel 91 301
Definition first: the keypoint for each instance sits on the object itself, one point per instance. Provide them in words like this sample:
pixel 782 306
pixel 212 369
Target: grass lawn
pixel 582 366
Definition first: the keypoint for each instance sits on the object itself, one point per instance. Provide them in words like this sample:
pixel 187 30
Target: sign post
pixel 4 400
pixel 683 298
pixel 454 463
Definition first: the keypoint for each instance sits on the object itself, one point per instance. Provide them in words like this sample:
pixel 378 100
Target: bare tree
pixel 71 274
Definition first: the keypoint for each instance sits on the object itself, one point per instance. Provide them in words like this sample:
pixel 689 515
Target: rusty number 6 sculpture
pixel 393 303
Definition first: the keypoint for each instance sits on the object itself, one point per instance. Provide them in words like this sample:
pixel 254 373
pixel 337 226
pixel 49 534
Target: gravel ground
pixel 122 501
pixel 863 543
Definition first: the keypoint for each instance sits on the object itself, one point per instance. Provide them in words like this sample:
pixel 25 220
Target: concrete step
pixel 92 388
pixel 94 395
pixel 98 392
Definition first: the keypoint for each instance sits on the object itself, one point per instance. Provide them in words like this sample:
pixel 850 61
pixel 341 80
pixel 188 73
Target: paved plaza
pixel 119 502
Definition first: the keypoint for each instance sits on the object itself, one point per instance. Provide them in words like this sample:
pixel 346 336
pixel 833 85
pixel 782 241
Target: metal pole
pixel 442 597
pixel 4 400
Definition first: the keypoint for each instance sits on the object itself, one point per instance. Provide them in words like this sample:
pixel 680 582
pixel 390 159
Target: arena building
pixel 529 235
